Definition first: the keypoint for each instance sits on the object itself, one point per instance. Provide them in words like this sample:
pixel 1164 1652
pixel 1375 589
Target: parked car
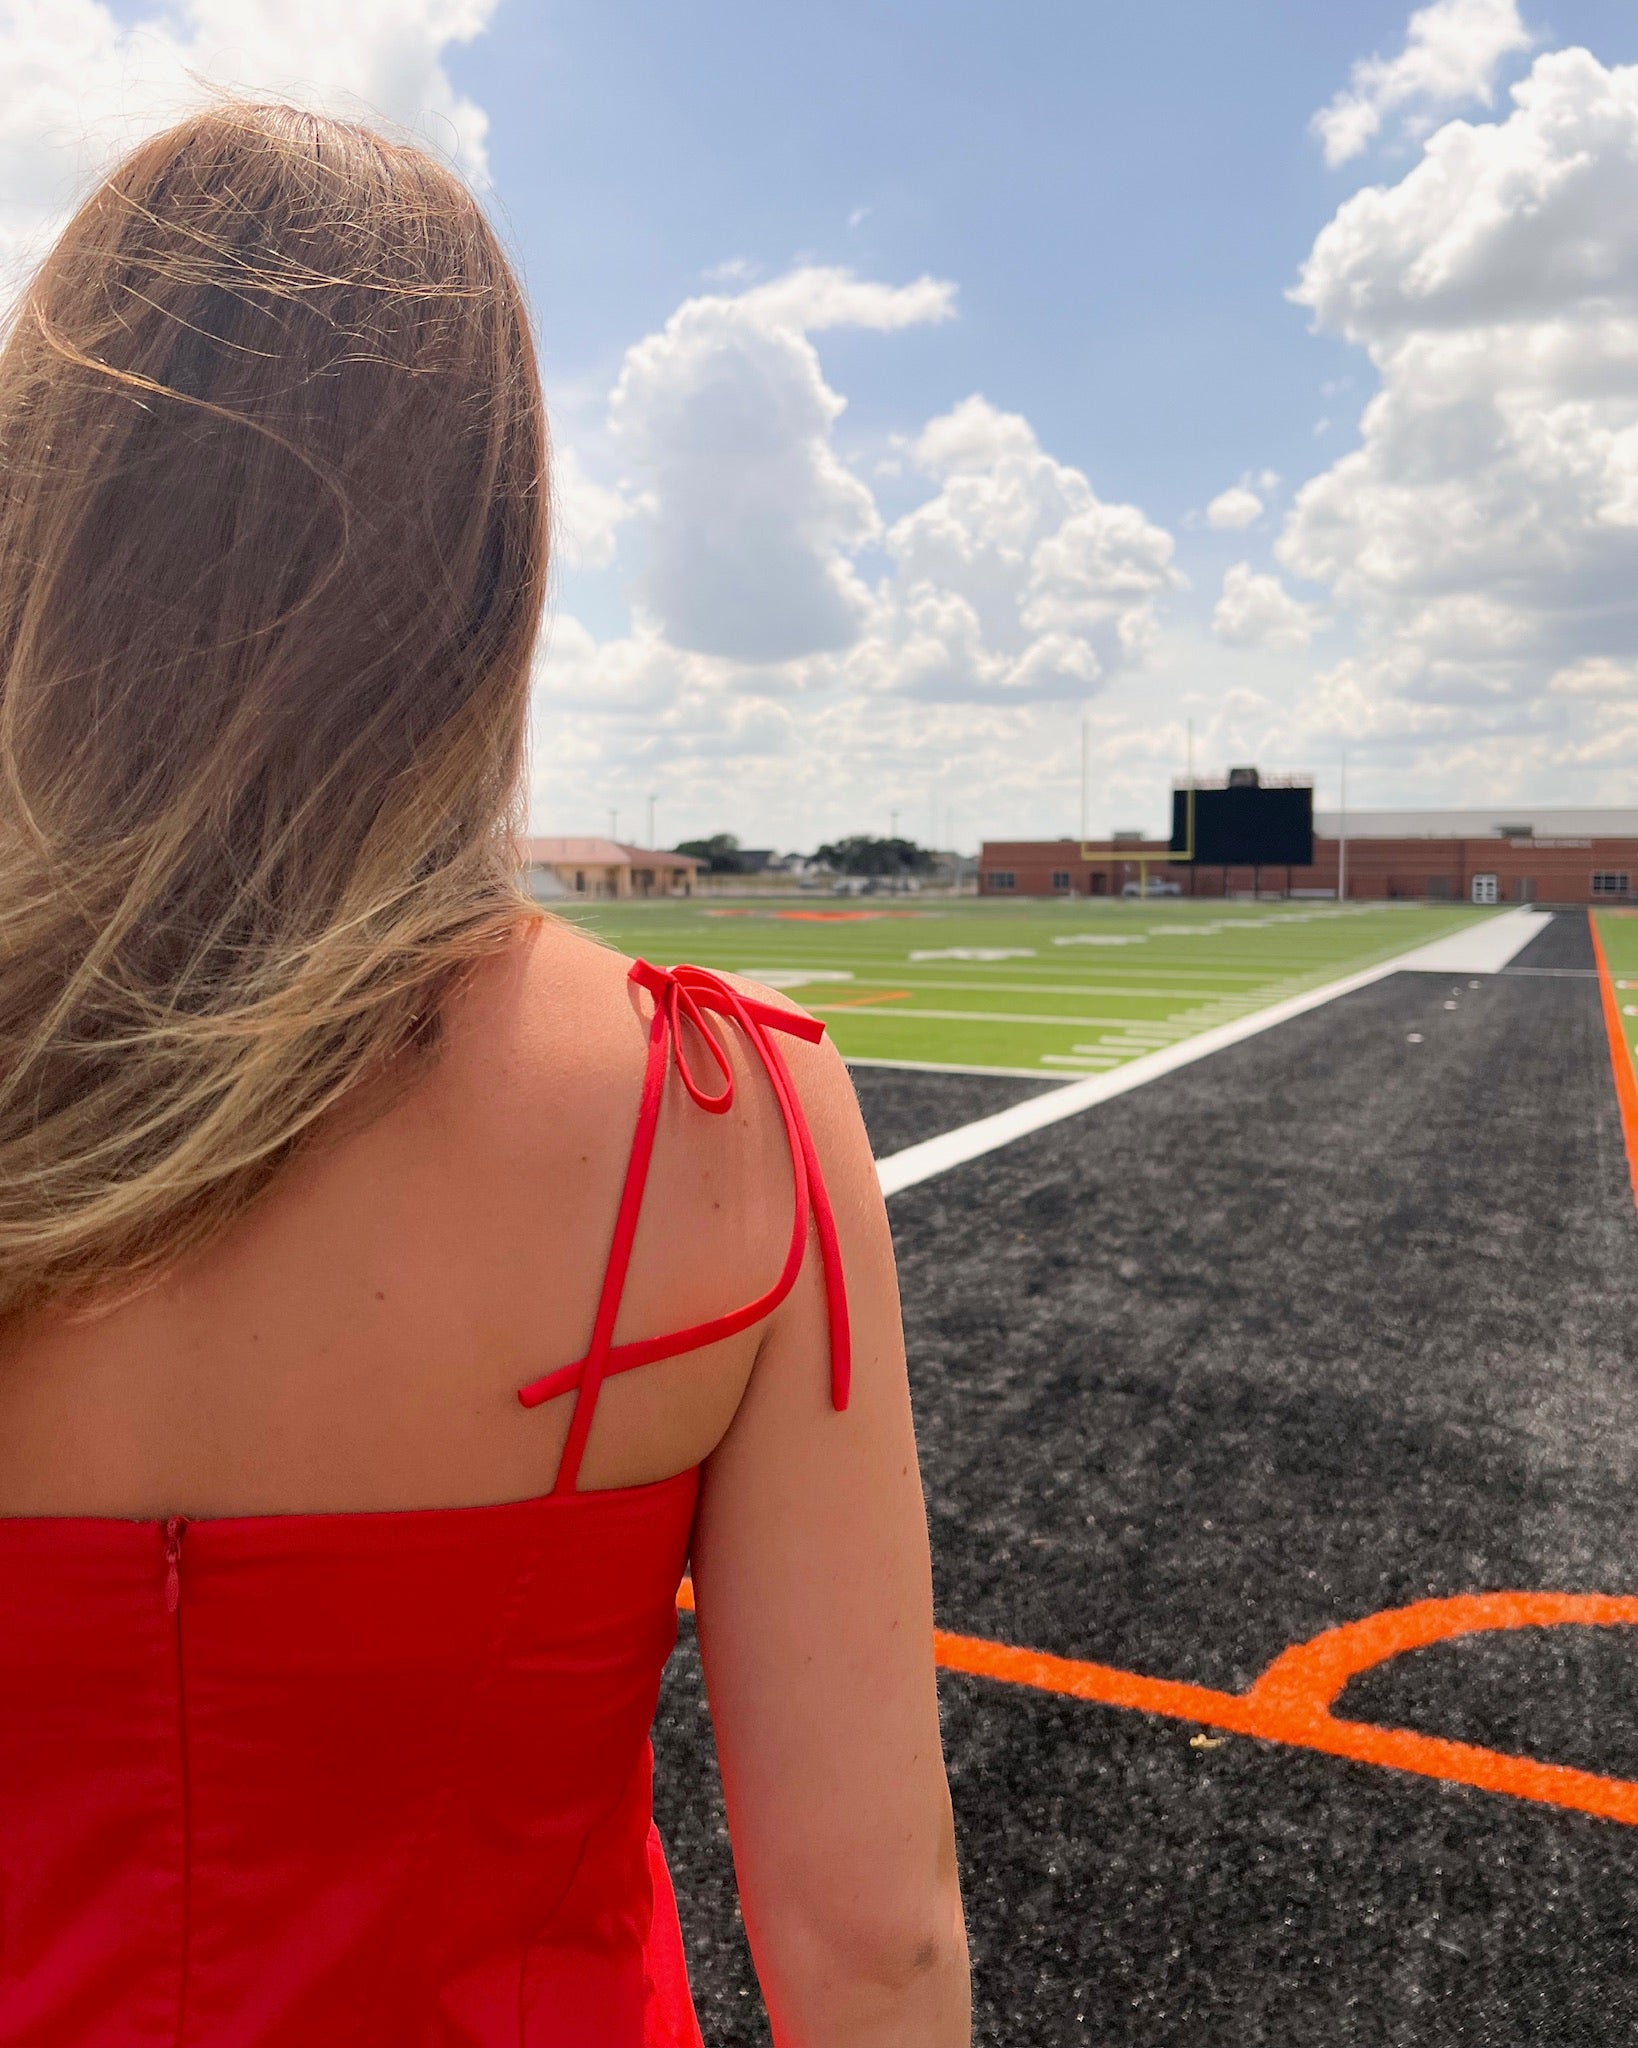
pixel 1159 885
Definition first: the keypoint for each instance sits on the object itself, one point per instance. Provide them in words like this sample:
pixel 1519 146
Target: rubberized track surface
pixel 1329 1323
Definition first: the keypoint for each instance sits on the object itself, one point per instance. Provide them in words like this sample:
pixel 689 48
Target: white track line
pixel 917 1163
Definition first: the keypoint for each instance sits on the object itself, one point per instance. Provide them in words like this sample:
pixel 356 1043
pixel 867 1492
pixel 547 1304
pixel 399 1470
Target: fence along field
pixel 1048 989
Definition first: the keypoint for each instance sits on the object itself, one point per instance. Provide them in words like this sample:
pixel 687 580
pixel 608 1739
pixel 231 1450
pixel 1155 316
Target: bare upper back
pixel 358 1339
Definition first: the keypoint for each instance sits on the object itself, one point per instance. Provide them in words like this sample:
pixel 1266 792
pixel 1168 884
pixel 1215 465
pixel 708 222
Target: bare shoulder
pixel 545 1057
pixel 821 1076
pixel 543 1044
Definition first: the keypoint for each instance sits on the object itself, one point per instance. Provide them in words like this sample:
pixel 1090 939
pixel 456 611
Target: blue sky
pixel 1122 195
pixel 939 328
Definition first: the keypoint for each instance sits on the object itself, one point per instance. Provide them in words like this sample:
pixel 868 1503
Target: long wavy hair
pixel 273 548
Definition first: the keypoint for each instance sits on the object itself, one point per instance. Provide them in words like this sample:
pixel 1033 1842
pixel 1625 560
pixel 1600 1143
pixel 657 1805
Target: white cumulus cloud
pixel 1234 509
pixel 79 84
pixel 751 519
pixel 785 635
pixel 586 516
pixel 1453 52
pixel 1015 580
pixel 1598 676
pixel 1012 581
pixel 1258 611
pixel 1485 531
pixel 818 296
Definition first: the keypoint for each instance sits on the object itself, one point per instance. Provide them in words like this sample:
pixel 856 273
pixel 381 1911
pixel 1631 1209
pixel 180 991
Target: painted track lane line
pixel 1514 930
pixel 1291 1702
pixel 1621 1062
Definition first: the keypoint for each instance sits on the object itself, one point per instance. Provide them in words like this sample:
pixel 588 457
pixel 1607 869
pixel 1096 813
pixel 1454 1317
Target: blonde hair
pixel 273 544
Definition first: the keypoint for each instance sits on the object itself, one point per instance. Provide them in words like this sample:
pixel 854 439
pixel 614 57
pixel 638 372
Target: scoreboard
pixel 1246 825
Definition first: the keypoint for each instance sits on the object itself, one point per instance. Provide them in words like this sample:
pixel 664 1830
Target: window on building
pixel 1441 889
pixel 1060 878
pixel 1610 882
pixel 1002 878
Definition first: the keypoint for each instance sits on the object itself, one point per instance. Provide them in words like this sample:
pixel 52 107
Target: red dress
pixel 326 1781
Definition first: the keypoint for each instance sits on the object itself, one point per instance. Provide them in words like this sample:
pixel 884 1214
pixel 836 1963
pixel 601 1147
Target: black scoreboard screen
pixel 1246 826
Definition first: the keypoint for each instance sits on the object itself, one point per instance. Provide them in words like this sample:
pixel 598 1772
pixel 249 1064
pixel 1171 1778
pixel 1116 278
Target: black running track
pixel 1327 1323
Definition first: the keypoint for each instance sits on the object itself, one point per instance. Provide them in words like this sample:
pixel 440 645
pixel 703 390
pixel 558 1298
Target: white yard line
pixel 1507 934
pixel 1032 988
pixel 1048 1081
pixel 885 1013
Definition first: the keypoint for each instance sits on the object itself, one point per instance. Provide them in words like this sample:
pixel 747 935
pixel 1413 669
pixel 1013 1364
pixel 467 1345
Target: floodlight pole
pixel 1086 743
pixel 1342 836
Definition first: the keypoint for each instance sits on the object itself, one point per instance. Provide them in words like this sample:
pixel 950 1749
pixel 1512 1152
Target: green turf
pixel 1080 987
pixel 1618 934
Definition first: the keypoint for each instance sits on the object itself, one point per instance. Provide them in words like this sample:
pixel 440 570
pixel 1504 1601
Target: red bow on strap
pixel 691 995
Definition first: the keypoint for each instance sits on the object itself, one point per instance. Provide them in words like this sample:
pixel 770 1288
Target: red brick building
pixel 1526 855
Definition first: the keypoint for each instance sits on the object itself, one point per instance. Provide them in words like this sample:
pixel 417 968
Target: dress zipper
pixel 175 1527
pixel 173 1562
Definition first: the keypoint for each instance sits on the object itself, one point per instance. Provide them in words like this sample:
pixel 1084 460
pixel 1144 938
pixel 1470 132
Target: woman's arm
pixel 814 1605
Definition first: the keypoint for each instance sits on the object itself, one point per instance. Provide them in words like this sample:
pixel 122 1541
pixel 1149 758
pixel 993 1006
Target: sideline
pixel 1505 936
pixel 1621 1062
pixel 1291 1702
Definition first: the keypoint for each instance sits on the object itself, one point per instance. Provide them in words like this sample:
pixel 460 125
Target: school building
pixel 606 867
pixel 1518 855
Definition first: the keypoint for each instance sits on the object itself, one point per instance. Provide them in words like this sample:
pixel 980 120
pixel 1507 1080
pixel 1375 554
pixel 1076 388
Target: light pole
pixel 1342 836
pixel 1086 747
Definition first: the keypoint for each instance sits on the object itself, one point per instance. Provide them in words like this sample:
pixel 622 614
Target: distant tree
pixel 720 853
pixel 862 855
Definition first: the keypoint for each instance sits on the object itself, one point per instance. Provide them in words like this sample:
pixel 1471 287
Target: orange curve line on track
pixel 1626 1075
pixel 893 995
pixel 1291 1702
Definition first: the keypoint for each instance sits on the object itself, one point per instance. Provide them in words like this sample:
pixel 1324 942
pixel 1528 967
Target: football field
pixel 1053 989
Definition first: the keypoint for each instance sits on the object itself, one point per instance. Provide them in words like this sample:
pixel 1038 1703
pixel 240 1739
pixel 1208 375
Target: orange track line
pixel 1626 1075
pixel 1291 1702
pixel 893 995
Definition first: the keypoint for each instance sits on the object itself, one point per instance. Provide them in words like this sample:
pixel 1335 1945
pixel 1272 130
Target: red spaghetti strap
pixel 684 995
pixel 614 1274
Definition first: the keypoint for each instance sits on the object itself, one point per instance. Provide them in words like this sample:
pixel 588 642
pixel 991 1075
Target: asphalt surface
pixel 1340 1318
pixel 901 1108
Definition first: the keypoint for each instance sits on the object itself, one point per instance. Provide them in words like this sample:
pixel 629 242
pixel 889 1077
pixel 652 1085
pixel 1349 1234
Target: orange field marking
pixel 893 995
pixel 1626 1075
pixel 1291 1702
pixel 840 916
